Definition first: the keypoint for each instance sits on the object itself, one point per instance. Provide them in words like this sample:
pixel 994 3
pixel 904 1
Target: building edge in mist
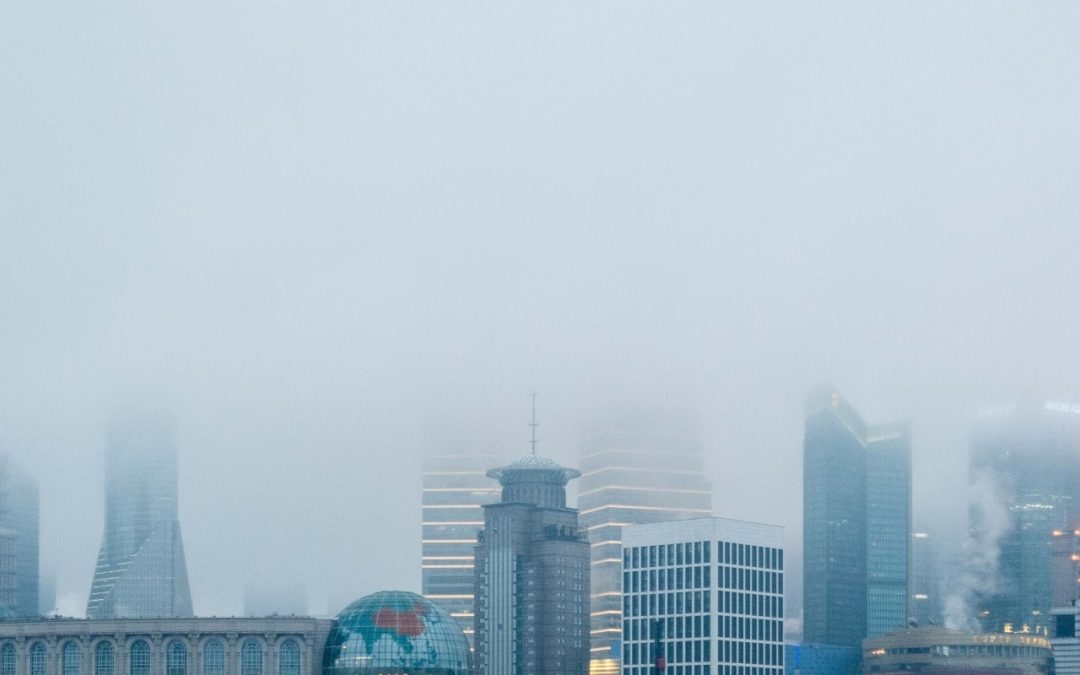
pixel 141 570
pixel 637 468
pixel 856 524
pixel 19 541
pixel 455 489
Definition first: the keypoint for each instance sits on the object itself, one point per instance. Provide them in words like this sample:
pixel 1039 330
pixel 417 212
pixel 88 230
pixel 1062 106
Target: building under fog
pixel 455 489
pixel 532 576
pixel 635 470
pixel 386 633
pixel 1031 452
pixel 932 650
pixel 856 524
pixel 141 570
pixel 19 548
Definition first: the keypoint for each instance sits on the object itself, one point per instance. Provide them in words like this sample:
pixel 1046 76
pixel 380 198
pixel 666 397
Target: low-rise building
pixel 932 650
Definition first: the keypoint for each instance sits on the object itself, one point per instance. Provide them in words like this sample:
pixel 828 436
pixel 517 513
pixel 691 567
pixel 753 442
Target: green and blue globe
pixel 395 633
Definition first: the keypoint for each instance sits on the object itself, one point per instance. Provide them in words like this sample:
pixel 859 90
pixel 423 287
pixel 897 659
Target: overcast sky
pixel 322 234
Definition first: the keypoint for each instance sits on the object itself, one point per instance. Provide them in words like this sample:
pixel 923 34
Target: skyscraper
pixel 456 488
pixel 856 524
pixel 141 571
pixel 18 540
pixel 637 469
pixel 1030 454
pixel 532 576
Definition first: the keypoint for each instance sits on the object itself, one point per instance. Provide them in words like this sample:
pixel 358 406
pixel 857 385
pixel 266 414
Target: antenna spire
pixel 533 424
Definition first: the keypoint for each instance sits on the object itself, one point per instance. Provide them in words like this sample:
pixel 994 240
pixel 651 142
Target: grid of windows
pixel 213 658
pixel 104 659
pixel 8 660
pixel 289 658
pixel 706 607
pixel 69 659
pixel 39 659
pixel 176 659
pixel 251 658
pixel 139 659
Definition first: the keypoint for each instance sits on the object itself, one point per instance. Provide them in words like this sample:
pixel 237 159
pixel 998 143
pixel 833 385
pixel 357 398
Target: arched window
pixel 104 659
pixel 289 658
pixel 69 659
pixel 213 662
pixel 139 659
pixel 251 658
pixel 39 659
pixel 176 659
pixel 8 660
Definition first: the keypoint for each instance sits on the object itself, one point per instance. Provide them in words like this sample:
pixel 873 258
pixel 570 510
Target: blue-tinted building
pixel 856 524
pixel 814 659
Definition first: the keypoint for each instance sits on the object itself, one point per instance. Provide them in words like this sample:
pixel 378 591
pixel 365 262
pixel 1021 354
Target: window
pixel 39 659
pixel 140 658
pixel 104 659
pixel 69 659
pixel 176 659
pixel 8 660
pixel 251 658
pixel 213 658
pixel 289 658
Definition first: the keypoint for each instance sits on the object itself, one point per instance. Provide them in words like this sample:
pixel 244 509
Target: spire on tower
pixel 533 424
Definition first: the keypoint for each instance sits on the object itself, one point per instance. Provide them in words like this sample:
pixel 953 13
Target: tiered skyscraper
pixel 18 541
pixel 532 576
pixel 141 571
pixel 1031 455
pixel 456 488
pixel 636 470
pixel 856 524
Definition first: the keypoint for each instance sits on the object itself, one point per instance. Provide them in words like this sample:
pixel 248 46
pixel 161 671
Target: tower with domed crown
pixel 532 575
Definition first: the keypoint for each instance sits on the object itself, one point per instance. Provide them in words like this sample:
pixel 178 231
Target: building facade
pixel 274 646
pixel 635 470
pixel 532 576
pixel 19 547
pixel 703 597
pixel 455 489
pixel 856 523
pixel 1030 453
pixel 932 650
pixel 141 571
pixel 926 575
pixel 1065 640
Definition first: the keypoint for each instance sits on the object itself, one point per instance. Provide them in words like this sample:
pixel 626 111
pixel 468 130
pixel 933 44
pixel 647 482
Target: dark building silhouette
pixel 141 571
pixel 1031 453
pixel 532 576
pixel 856 524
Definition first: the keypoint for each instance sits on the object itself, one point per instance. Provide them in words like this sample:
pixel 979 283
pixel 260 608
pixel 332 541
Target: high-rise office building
pixel 18 540
pixel 856 524
pixel 635 470
pixel 1030 453
pixel 532 576
pixel 141 571
pixel 456 488
pixel 703 596
pixel 926 580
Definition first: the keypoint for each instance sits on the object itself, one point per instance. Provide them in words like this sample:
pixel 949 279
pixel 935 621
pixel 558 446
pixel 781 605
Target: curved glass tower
pixel 141 572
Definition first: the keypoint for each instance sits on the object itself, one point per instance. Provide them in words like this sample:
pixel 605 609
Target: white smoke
pixel 979 574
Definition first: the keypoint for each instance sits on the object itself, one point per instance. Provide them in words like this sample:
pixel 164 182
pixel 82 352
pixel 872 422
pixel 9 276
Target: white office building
pixel 1066 640
pixel 704 596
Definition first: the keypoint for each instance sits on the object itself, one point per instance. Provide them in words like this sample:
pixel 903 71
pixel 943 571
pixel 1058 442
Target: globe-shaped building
pixel 395 633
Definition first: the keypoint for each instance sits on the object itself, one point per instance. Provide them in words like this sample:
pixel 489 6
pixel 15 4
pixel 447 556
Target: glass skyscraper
pixel 856 524
pixel 19 529
pixel 141 571
pixel 1031 454
pixel 636 469
pixel 456 488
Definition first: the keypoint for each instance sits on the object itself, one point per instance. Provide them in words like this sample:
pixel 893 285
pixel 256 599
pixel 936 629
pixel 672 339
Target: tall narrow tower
pixel 141 572
pixel 18 540
pixel 532 576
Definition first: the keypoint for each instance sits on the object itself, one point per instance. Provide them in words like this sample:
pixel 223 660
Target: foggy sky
pixel 324 235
